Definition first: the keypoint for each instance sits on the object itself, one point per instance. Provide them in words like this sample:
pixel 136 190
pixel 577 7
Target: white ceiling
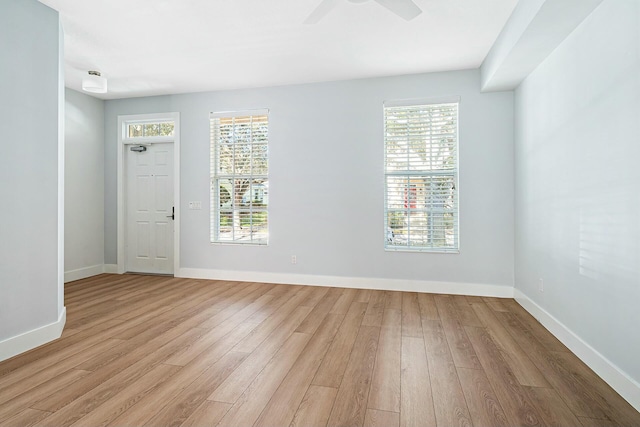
pixel 155 47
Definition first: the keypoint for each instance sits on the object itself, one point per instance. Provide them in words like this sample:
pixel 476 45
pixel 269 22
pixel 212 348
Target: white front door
pixel 149 209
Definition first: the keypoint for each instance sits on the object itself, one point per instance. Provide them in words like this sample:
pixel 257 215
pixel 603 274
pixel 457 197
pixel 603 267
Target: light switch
pixel 195 205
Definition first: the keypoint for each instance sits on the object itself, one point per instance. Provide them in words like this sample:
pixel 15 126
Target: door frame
pixel 123 141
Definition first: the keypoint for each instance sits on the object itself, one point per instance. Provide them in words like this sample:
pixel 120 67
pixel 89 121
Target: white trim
pixel 626 386
pixel 61 169
pixel 32 339
pixel 122 140
pixel 83 273
pixel 422 101
pixel 110 268
pixel 456 288
pixel 255 112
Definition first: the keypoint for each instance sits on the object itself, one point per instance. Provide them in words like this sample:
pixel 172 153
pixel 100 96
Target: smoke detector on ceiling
pixel 94 83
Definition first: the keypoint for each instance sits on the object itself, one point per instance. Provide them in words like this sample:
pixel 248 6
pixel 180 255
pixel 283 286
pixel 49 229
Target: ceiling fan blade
pixel 321 11
pixel 405 9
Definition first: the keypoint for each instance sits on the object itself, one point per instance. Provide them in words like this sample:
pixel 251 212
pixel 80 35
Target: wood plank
pixel 385 385
pixel 69 332
pixel 26 418
pixel 248 407
pixel 283 404
pixel 43 370
pixel 539 332
pixel 350 406
pixel 281 290
pixel 411 321
pixel 208 414
pixel 416 407
pixel 278 303
pixel 186 354
pixel 612 404
pixel 236 383
pixel 320 311
pixel 552 410
pixel 393 300
pixel 202 306
pixel 335 362
pixel 315 296
pixel 428 309
pixel 579 398
pixel 462 352
pixel 51 354
pixel 522 367
pixel 593 422
pixel 448 399
pixel 178 410
pixel 92 391
pixel 344 302
pixel 466 314
pixel 129 396
pixel 315 408
pixel 517 407
pixel 495 304
pixel 363 295
pixel 375 310
pixel 155 401
pixel 375 418
pixel 270 323
pixel 484 407
pixel 24 399
pixel 247 305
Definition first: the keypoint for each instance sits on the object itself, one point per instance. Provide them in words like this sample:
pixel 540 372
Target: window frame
pixel 408 173
pixel 215 177
pixel 126 139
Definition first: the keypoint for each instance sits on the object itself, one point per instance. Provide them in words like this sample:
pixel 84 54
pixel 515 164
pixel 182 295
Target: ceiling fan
pixel 405 9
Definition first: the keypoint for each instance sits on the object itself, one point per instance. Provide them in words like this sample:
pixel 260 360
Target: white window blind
pixel 421 177
pixel 239 177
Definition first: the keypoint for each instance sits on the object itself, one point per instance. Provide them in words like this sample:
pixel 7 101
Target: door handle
pixel 173 213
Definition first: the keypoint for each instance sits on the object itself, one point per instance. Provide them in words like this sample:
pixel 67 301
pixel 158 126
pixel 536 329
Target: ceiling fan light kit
pixel 94 83
pixel 406 9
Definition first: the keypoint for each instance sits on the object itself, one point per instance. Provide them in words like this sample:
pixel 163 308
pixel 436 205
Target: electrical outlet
pixel 294 259
pixel 541 285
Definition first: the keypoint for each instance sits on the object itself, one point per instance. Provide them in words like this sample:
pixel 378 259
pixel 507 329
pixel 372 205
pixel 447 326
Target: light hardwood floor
pixel 142 350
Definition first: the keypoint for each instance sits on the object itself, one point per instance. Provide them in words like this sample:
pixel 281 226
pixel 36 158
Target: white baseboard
pixel 32 339
pixel 626 386
pixel 455 288
pixel 83 273
pixel 94 270
pixel 110 268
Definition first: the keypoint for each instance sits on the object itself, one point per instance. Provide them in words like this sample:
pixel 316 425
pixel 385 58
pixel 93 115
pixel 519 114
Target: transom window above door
pixel 150 129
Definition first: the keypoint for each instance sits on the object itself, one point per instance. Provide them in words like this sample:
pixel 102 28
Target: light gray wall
pixel 326 179
pixel 30 289
pixel 84 181
pixel 577 175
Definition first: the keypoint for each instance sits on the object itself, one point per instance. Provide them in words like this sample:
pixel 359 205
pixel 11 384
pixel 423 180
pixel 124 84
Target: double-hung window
pixel 421 175
pixel 239 177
